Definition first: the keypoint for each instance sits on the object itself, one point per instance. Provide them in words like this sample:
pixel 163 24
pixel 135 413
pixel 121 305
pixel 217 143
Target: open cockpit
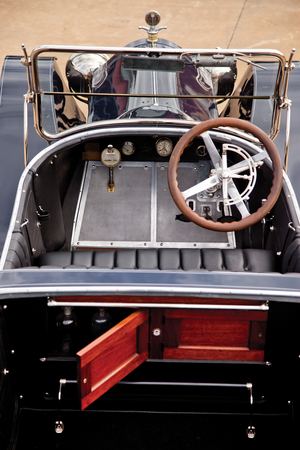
pixel 153 255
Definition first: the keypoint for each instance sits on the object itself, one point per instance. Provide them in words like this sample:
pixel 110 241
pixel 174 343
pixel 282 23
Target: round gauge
pixel 110 156
pixel 152 18
pixel 164 146
pixel 128 148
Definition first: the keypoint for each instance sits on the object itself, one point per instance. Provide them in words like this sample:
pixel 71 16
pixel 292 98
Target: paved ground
pixel 191 23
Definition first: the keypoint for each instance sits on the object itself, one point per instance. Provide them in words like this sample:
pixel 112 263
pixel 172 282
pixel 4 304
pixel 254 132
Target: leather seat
pixel 210 259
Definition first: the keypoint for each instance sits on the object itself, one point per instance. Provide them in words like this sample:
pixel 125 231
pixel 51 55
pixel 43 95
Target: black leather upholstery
pixel 291 258
pixel 211 259
pixel 18 254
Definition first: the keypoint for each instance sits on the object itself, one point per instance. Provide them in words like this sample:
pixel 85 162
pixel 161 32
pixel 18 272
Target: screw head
pixel 59 427
pixel 156 332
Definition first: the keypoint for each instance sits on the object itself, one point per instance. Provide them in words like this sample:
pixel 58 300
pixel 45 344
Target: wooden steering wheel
pixel 223 175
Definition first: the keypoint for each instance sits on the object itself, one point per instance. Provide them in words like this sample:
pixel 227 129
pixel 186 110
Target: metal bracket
pixel 250 430
pixel 286 104
pixel 27 63
pixel 28 98
pixel 59 425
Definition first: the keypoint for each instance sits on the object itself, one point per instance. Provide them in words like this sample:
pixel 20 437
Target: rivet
pixel 85 381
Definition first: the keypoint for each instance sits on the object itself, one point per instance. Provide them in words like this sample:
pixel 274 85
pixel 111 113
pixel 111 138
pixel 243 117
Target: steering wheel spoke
pixel 200 187
pixel 237 199
pixel 242 165
pixel 212 150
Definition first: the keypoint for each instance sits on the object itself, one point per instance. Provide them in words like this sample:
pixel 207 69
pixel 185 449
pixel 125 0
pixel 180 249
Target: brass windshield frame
pixel 36 91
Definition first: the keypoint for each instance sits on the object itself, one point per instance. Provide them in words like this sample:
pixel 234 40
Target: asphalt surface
pixel 269 24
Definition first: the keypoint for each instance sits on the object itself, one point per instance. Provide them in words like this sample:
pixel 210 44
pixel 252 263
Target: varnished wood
pixel 257 335
pixel 222 333
pixel 155 300
pixel 172 333
pixel 108 359
pixel 217 353
pixel 156 340
pixel 231 335
pixel 224 314
pixel 236 335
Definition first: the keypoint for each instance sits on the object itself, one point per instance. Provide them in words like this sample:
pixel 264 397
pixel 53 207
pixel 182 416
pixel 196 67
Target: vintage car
pixel 150 268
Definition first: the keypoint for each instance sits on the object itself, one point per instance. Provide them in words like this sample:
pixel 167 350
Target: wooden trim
pixel 108 359
pixel 155 300
pixel 217 353
pixel 236 335
pixel 156 333
pixel 226 314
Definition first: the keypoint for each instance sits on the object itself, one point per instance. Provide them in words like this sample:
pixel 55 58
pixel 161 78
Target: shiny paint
pixel 119 80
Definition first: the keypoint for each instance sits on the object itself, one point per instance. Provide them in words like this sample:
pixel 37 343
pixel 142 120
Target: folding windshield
pixel 79 86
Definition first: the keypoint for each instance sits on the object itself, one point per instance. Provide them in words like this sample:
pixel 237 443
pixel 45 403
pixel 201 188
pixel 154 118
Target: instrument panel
pixel 142 148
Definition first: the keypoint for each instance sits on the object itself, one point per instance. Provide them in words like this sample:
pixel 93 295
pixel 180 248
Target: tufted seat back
pixel 211 259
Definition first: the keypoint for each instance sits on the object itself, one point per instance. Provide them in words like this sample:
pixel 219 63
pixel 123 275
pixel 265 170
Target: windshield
pixel 80 86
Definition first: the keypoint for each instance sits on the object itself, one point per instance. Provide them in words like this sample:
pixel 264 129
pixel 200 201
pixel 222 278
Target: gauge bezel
pixel 164 139
pixel 132 147
pixel 149 22
pixel 108 150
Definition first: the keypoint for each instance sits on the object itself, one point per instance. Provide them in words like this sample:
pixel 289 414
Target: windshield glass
pixel 80 86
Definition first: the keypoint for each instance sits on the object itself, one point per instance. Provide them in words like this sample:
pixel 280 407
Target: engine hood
pixel 114 78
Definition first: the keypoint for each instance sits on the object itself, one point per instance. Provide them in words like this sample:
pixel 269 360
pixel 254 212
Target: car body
pixel 149 280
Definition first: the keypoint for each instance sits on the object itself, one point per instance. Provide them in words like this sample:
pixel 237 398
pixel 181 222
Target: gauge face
pixel 110 156
pixel 128 148
pixel 164 146
pixel 152 18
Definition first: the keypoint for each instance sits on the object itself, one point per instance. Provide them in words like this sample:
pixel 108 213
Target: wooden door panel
pixel 237 335
pixel 108 359
pixel 214 332
pixel 214 353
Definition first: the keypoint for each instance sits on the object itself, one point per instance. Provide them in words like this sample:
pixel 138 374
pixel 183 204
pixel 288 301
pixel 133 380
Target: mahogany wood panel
pixel 231 314
pixel 157 334
pixel 219 354
pixel 237 335
pixel 209 334
pixel 108 359
pixel 154 299
pixel 257 336
pixel 214 333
